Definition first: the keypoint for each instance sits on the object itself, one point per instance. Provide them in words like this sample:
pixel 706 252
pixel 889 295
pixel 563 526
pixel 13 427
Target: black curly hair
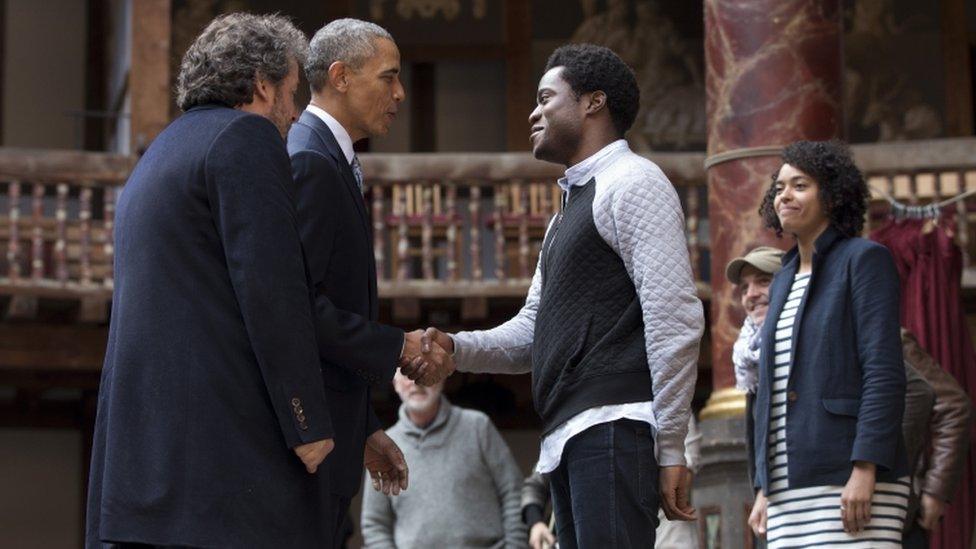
pixel 588 68
pixel 841 188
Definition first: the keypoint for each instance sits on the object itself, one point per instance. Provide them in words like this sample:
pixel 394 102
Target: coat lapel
pixel 331 148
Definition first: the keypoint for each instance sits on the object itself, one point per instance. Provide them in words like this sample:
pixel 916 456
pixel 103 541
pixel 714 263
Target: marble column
pixel 773 76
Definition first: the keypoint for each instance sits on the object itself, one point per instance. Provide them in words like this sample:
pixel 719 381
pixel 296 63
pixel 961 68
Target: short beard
pixel 558 150
pixel 277 116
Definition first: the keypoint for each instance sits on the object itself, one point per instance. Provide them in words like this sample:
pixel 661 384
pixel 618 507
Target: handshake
pixel 427 356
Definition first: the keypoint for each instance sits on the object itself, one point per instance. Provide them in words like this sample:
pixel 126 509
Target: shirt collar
pixel 340 133
pixel 582 172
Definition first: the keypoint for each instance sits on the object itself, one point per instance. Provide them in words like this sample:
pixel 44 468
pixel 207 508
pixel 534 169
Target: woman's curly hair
pixel 841 188
pixel 222 64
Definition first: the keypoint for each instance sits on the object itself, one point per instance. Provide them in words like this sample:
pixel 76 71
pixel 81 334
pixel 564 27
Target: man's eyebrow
pixel 391 70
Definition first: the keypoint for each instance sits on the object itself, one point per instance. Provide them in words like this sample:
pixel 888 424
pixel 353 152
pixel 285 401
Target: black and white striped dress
pixel 810 517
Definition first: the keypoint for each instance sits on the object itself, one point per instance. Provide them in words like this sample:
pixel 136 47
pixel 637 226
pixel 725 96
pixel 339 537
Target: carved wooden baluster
pixel 913 188
pixel 403 236
pixel 691 222
pixel 452 232
pixel 13 246
pixel 427 233
pixel 61 242
pixel 474 208
pixel 962 220
pixel 109 225
pixel 85 216
pixel 523 230
pixel 379 251
pixel 545 205
pixel 499 215
pixel 37 233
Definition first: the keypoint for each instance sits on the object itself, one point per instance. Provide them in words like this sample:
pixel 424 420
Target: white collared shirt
pixel 340 133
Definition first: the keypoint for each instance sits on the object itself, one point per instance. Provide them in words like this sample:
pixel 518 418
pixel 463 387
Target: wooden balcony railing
pixel 471 225
pixel 445 225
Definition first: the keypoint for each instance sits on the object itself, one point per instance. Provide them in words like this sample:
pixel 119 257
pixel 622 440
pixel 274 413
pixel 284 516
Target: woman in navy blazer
pixel 829 455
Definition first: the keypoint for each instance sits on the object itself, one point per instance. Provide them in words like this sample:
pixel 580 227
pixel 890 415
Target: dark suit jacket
pixel 211 374
pixel 847 380
pixel 338 244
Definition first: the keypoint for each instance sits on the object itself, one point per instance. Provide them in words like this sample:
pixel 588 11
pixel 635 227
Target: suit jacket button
pixel 301 418
pixel 791 396
pixel 299 410
pixel 303 426
pixel 296 402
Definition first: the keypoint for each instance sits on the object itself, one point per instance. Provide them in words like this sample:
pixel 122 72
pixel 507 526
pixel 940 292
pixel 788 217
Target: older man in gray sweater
pixel 465 487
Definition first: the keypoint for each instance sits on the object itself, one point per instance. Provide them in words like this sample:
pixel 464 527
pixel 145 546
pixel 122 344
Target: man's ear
pixel 595 101
pixel 339 76
pixel 264 90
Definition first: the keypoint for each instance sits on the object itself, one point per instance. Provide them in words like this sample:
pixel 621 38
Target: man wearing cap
pixel 751 274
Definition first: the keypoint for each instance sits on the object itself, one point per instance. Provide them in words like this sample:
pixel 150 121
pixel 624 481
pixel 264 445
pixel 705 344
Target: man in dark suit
pixel 211 383
pixel 353 69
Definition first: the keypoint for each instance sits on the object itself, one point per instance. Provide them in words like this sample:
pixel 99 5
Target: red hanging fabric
pixel 930 265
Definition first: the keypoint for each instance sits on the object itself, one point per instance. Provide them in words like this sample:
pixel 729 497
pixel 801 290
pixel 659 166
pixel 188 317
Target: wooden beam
pixel 60 166
pixel 519 87
pixel 95 77
pixel 149 71
pixel 52 348
pixel 957 69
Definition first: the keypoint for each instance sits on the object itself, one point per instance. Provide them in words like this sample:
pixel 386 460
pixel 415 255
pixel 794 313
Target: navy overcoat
pixel 212 374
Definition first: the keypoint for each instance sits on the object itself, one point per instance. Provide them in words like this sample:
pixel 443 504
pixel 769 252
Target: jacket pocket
pixel 842 406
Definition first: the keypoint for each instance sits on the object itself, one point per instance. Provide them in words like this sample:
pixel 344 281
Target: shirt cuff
pixel 670 450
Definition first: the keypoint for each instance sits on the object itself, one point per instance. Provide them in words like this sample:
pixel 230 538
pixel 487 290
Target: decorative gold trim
pixel 724 403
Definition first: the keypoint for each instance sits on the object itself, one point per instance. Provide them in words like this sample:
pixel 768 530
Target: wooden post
pixel 452 232
pixel 37 235
pixel 61 242
pixel 519 87
pixel 379 225
pixel 109 225
pixel 13 246
pixel 958 71
pixel 149 71
pixel 84 215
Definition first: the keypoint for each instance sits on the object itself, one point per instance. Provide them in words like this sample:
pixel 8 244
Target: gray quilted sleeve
pixel 640 217
pixel 505 349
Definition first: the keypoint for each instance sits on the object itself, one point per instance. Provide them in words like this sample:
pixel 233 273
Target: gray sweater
pixel 465 487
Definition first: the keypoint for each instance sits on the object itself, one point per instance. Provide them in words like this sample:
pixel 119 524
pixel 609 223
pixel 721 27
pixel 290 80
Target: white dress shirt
pixel 340 133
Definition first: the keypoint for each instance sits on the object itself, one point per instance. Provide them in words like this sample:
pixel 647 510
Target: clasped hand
pixel 424 359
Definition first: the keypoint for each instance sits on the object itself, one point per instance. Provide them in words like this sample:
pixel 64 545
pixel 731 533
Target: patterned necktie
pixel 357 170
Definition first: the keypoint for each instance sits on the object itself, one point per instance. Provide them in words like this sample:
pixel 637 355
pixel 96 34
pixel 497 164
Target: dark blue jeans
pixel 605 490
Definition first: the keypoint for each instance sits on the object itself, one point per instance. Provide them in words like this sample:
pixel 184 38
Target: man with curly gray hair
pixel 212 419
pixel 229 61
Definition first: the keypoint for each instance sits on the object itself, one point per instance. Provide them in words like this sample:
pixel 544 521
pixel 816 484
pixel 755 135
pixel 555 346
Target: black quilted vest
pixel 588 348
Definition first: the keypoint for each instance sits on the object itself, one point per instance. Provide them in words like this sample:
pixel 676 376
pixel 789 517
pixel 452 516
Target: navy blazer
pixel 338 240
pixel 846 390
pixel 211 374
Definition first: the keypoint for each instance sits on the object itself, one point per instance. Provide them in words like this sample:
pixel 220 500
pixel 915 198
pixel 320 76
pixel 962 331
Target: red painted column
pixel 773 76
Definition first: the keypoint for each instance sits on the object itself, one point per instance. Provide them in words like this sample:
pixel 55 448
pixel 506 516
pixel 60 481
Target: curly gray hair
pixel 223 63
pixel 346 40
